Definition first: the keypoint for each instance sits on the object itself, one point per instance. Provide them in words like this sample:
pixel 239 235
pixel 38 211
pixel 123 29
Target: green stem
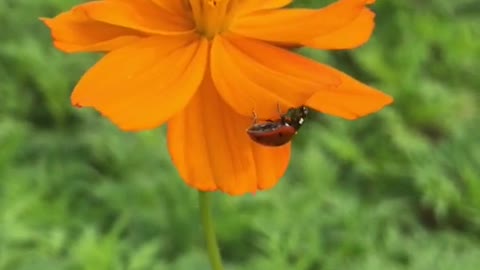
pixel 209 231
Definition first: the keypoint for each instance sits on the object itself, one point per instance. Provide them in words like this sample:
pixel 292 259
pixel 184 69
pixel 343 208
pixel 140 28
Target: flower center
pixel 212 16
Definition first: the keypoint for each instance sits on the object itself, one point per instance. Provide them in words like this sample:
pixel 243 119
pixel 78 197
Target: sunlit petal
pixel 211 150
pixel 248 6
pixel 142 85
pixel 352 35
pixel 75 32
pixel 294 26
pixel 103 46
pixel 177 7
pixel 141 15
pixel 253 76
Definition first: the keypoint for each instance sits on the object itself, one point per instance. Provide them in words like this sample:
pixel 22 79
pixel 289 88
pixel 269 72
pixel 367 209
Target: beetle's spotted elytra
pixel 280 131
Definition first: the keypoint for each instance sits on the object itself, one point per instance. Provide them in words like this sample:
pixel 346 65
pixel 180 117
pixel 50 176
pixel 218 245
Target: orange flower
pixel 204 66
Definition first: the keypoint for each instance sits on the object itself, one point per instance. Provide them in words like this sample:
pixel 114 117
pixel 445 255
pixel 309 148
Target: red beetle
pixel 278 132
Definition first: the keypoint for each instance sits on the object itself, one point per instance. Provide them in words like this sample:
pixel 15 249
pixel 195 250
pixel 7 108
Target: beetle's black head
pixel 295 117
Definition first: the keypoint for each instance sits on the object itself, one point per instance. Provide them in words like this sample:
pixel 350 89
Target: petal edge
pixel 351 100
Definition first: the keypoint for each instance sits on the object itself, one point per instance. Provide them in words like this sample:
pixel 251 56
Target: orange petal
pixel 271 163
pixel 103 46
pixel 351 100
pixel 248 6
pixel 298 25
pixel 75 32
pixel 352 35
pixel 177 7
pixel 141 15
pixel 211 150
pixel 254 76
pixel 140 86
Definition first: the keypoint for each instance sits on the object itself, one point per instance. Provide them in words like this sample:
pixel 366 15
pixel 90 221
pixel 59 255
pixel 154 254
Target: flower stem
pixel 209 231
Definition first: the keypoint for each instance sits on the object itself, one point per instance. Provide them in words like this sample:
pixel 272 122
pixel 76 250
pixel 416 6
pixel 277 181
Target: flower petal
pixel 292 26
pixel 142 85
pixel 248 6
pixel 211 150
pixel 271 163
pixel 103 46
pixel 351 100
pixel 352 35
pixel 254 76
pixel 73 31
pixel 178 7
pixel 141 15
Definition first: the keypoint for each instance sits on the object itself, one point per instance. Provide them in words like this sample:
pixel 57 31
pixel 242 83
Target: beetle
pixel 280 131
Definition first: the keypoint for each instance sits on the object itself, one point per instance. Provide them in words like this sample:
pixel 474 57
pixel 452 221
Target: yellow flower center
pixel 212 16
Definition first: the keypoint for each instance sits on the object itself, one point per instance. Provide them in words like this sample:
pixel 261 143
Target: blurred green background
pixel 396 190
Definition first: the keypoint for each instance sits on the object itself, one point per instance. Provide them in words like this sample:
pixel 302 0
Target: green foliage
pixel 396 190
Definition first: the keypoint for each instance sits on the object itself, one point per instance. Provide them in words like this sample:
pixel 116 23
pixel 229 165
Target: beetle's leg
pixel 254 117
pixel 279 110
